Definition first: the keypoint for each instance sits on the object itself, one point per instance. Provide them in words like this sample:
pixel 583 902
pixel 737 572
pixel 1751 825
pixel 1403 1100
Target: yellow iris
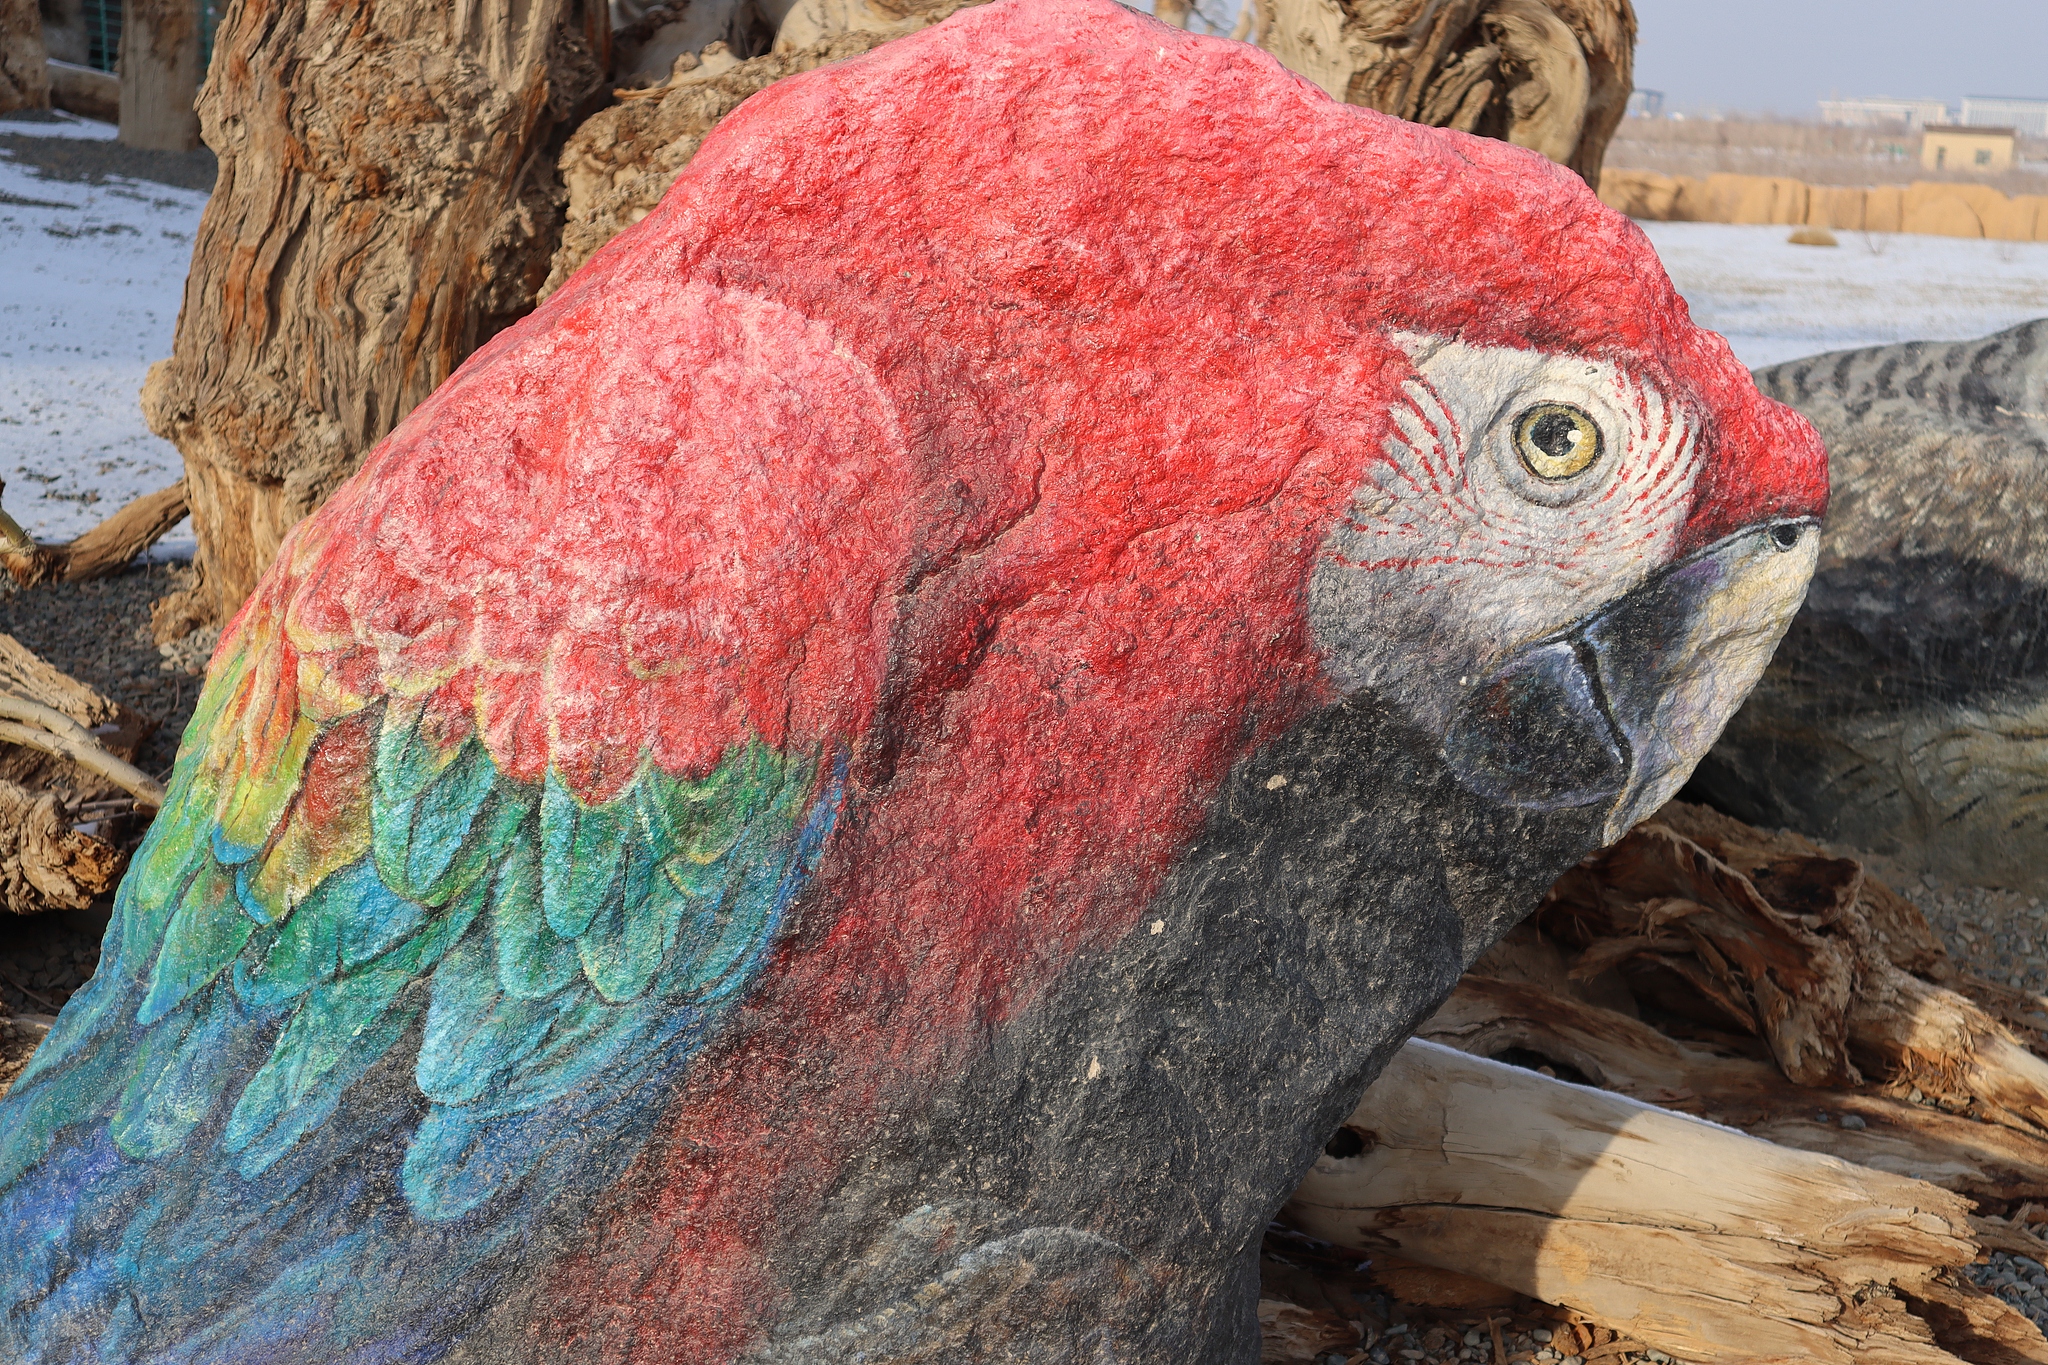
pixel 1556 440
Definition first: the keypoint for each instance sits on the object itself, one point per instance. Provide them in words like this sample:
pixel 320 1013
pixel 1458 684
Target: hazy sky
pixel 1783 55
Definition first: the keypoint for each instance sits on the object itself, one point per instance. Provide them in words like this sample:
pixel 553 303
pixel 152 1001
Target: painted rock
pixel 872 781
pixel 1908 710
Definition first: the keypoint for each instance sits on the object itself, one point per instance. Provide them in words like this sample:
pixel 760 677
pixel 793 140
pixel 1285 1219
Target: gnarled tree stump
pixel 1550 75
pixel 387 201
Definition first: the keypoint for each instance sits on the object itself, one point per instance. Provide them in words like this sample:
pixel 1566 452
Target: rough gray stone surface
pixel 1907 711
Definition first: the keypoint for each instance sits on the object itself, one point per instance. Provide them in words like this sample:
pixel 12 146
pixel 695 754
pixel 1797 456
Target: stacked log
pixel 1754 1112
pixel 1933 208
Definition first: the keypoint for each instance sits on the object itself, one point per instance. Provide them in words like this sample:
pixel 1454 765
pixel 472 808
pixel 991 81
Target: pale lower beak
pixel 1618 708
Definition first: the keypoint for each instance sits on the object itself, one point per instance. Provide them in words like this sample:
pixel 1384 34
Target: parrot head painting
pixel 871 781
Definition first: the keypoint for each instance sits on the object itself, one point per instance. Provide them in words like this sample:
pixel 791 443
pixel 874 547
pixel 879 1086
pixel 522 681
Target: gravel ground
pixel 96 159
pixel 1407 1343
pixel 2020 1280
pixel 1992 933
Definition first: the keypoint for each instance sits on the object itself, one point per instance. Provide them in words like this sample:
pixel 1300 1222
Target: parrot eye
pixel 1556 440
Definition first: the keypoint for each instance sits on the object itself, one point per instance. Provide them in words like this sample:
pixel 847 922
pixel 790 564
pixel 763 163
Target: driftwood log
pixel 1492 1017
pixel 1860 1118
pixel 75 710
pixel 46 861
pixel 85 91
pixel 1809 974
pixel 104 550
pixel 67 783
pixel 1702 1241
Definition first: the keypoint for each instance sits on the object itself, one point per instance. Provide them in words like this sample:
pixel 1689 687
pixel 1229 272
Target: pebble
pixel 2020 1280
pixel 1990 932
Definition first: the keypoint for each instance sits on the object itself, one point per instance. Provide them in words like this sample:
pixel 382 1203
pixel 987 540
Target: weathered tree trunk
pixel 160 74
pixel 387 201
pixel 1550 75
pixel 24 65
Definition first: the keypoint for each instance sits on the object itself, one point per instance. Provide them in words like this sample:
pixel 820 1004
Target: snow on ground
pixel 1775 301
pixel 90 281
pixel 91 276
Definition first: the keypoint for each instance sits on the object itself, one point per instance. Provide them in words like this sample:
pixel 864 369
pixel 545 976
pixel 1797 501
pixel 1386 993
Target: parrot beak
pixel 1619 707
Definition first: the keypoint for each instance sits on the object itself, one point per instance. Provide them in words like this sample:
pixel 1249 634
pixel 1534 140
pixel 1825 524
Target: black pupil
pixel 1556 434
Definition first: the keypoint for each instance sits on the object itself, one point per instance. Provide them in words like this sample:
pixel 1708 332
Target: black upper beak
pixel 1619 706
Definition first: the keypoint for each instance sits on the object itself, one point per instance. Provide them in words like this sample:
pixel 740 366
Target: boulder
pixel 871 782
pixel 1907 712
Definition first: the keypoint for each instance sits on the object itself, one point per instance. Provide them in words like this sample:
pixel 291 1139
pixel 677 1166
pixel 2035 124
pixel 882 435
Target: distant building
pixel 1966 149
pixel 2029 117
pixel 1645 103
pixel 1864 113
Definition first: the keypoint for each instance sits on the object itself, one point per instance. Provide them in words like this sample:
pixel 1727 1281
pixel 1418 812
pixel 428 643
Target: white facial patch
pixel 1466 542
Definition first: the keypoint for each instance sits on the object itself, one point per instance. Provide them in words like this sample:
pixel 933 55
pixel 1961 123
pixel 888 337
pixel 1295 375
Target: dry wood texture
pixel 24 65
pixel 1751 979
pixel 1550 75
pixel 160 74
pixel 1787 951
pixel 387 201
pixel 1702 1241
pixel 45 862
pixel 63 748
pixel 106 549
pixel 112 726
pixel 1492 1018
